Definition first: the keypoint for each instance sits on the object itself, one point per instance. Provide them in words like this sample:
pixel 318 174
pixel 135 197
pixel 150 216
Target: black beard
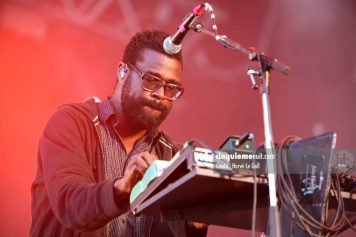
pixel 133 108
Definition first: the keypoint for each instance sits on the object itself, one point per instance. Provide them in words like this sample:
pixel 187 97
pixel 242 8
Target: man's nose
pixel 159 93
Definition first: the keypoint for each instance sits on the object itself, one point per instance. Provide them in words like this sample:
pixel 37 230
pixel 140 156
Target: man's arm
pixel 76 199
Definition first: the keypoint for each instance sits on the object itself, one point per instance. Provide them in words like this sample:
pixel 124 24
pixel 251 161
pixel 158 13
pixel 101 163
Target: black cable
pixel 291 203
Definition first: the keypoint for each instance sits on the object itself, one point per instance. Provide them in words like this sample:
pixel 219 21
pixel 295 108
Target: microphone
pixel 172 44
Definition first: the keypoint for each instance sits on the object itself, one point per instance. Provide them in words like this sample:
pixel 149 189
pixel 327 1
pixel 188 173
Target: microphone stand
pixel 266 64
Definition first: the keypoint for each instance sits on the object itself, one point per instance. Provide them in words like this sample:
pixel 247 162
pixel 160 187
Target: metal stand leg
pixel 274 217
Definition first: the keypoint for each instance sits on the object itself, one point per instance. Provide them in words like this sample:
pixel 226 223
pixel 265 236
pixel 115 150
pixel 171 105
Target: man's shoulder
pixel 165 139
pixel 165 142
pixel 70 115
pixel 87 108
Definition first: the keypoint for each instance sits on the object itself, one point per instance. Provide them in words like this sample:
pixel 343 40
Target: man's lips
pixel 155 105
pixel 152 108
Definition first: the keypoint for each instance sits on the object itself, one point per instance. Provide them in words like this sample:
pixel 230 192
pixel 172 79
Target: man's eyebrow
pixel 172 81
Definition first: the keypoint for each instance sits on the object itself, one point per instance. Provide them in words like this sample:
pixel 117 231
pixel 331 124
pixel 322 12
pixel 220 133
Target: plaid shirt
pixel 115 159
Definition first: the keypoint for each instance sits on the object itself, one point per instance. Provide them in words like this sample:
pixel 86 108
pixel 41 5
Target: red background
pixel 52 52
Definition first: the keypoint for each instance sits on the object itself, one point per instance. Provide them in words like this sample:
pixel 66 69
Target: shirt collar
pixel 106 111
pixel 107 115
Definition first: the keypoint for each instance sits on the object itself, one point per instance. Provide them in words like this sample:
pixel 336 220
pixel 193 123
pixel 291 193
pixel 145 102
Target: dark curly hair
pixel 148 39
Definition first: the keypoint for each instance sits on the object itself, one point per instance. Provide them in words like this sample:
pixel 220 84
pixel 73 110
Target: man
pixel 92 154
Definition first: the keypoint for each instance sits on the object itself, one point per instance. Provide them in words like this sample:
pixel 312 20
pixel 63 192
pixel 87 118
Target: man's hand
pixel 135 169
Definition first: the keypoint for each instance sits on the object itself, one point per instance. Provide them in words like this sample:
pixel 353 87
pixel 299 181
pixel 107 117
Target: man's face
pixel 143 108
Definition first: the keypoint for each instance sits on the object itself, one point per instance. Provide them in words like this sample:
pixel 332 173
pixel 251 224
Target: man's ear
pixel 122 71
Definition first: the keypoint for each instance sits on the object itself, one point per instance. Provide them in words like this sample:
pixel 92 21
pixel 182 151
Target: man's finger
pixel 148 157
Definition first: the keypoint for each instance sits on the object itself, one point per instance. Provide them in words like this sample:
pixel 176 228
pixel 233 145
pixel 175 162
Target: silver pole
pixel 274 217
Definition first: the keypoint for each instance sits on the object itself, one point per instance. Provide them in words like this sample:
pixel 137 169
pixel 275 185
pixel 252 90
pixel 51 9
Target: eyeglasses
pixel 152 83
